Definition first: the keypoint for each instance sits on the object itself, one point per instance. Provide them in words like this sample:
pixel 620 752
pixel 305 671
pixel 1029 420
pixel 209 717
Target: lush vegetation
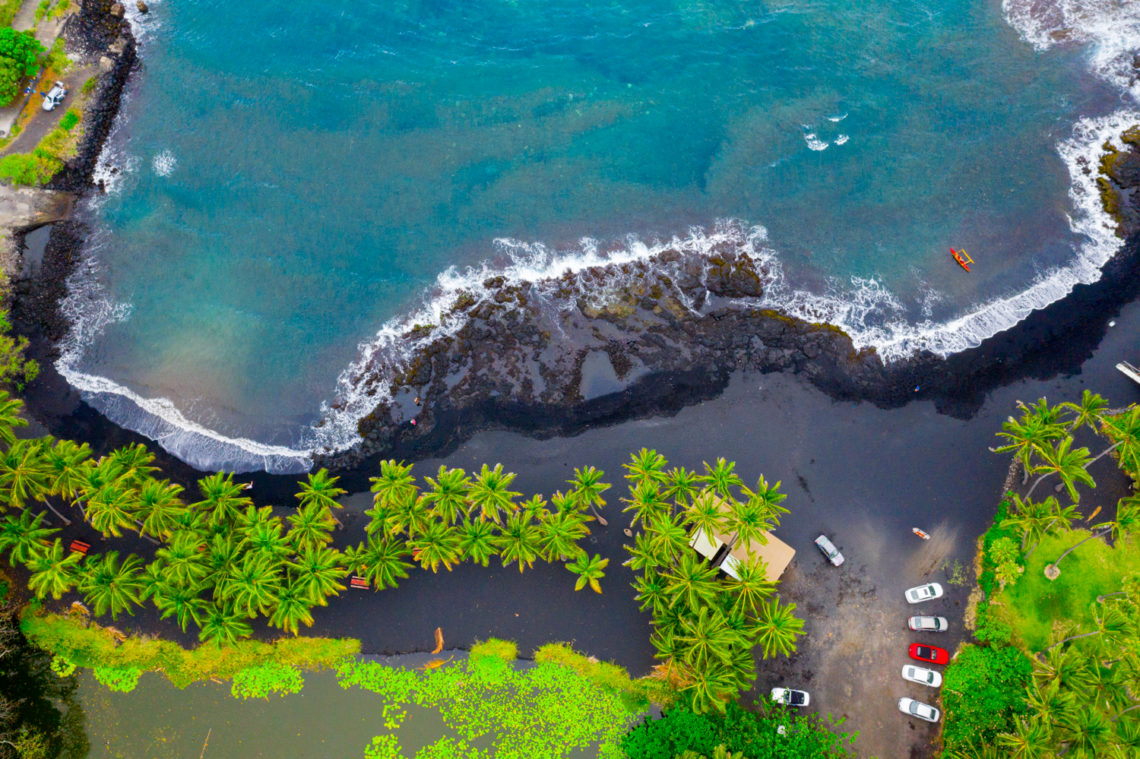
pixel 39 716
pixel 45 160
pixel 547 710
pixel 22 48
pixel 76 641
pixel 775 733
pixel 1056 669
pixel 8 11
pixel 705 625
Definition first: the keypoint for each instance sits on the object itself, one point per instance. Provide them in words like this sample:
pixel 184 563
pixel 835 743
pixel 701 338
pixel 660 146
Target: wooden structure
pixel 775 553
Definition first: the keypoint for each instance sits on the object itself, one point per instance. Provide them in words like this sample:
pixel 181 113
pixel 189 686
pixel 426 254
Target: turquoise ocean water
pixel 288 182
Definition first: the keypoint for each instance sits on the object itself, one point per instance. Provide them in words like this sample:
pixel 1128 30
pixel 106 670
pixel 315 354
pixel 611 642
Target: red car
pixel 932 654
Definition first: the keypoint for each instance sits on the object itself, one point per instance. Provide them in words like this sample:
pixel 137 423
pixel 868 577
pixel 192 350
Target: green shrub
pixel 69 120
pixel 89 86
pixel 42 9
pixel 21 47
pixel 29 169
pixel 60 8
pixel 983 692
pixel 269 677
pixel 10 77
pixel 991 629
pixel 119 679
pixel 755 736
pixel 57 59
pixel 62 666
pixel 8 11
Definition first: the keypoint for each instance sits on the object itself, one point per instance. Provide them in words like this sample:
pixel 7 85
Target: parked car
pixel 926 592
pixel 54 96
pixel 922 675
pixel 829 550
pixel 791 697
pixel 932 654
pixel 928 624
pixel 913 708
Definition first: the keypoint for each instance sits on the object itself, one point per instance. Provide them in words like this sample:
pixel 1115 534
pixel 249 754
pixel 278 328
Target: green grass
pixel 8 11
pixel 1033 604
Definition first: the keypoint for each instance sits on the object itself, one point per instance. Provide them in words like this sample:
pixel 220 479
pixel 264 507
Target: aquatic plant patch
pixel 546 710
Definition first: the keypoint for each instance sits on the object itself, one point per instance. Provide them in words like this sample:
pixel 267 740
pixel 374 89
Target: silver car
pixel 54 96
pixel 913 708
pixel 829 550
pixel 926 592
pixel 791 696
pixel 928 624
pixel 922 675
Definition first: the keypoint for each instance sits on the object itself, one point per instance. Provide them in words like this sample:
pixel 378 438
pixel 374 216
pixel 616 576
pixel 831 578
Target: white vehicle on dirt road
pixel 920 593
pixel 791 697
pixel 928 624
pixel 922 675
pixel 829 550
pixel 913 708
pixel 54 96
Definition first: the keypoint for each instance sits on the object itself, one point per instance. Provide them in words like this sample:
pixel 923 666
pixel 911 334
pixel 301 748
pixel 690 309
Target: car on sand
pixel 922 675
pixel 791 697
pixel 920 593
pixel 912 708
pixel 829 550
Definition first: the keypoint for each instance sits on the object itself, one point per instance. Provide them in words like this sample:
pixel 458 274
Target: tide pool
pixel 285 180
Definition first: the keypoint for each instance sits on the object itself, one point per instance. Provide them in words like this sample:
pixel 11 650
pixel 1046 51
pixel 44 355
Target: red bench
pixel 358 583
pixel 79 547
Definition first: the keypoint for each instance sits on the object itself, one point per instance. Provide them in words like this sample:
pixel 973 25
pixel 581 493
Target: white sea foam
pixel 842 139
pixel 813 142
pixel 837 119
pixel 164 163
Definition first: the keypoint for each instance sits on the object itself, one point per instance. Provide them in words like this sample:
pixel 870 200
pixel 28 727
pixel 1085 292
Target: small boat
pixel 1128 370
pixel 962 257
pixel 920 533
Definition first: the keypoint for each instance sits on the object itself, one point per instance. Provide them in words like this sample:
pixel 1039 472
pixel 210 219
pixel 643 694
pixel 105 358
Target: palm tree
pixel 262 533
pixel 589 570
pixel 704 513
pixel 160 506
pixel 767 499
pixel 519 541
pixel 1087 412
pixel 752 588
pixel 1087 732
pixel 222 499
pixel 722 477
pixel 321 489
pixel 642 556
pixel 691 581
pixel 24 537
pixel 777 628
pixel 23 476
pixel 1124 430
pixel 681 485
pixel 448 495
pixel 559 534
pixel 222 551
pixel 749 523
pixel 253 584
pixel 645 502
pixel 439 544
pixel 54 571
pixel 667 539
pixel 394 485
pixel 1035 430
pixel 291 610
pixel 1070 465
pixel 491 494
pixel 586 489
pixel 477 541
pixel 412 517
pixel 652 592
pixel 709 690
pixel 311 526
pixel 180 601
pixel 110 510
pixel 110 586
pixel 646 467
pixel 1030 739
pixel 10 417
pixel 222 625
pixel 183 558
pixel 1127 518
pixel 65 462
pixel 317 573
pixel 134 462
pixel 381 562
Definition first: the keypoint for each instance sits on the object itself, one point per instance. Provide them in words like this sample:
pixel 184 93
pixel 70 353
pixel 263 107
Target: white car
pixel 926 592
pixel 928 624
pixel 922 675
pixel 829 550
pixel 54 96
pixel 791 697
pixel 913 708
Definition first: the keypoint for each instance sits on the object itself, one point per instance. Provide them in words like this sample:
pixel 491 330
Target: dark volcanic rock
pixel 1119 183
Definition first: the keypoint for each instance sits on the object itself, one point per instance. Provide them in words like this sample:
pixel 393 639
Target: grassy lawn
pixel 1032 604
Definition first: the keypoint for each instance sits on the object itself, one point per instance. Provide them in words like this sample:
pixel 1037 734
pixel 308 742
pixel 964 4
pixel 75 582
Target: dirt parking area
pixel 856 641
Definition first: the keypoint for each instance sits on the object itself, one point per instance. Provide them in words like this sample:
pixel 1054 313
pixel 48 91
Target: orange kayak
pixel 963 260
